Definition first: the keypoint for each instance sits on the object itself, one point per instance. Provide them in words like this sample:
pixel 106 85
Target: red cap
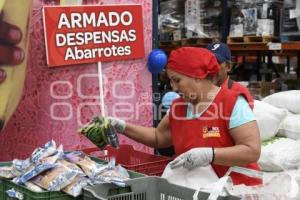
pixel 194 62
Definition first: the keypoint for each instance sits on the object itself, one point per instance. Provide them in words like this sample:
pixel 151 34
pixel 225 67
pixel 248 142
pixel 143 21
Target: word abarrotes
pixel 91 35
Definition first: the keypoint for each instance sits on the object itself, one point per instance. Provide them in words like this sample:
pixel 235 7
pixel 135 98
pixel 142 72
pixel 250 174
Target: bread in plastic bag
pixel 75 187
pixel 36 170
pixel 112 174
pixel 73 167
pixel 33 187
pixel 56 178
pixel 42 152
pixel 90 167
pixel 5 172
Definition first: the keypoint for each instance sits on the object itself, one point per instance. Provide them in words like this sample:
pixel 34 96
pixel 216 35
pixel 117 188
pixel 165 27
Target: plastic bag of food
pixel 40 156
pixel 21 165
pixel 14 194
pixel 52 159
pixel 56 178
pixel 115 176
pixel 112 174
pixel 5 172
pixel 100 132
pixel 90 167
pixel 75 188
pixel 17 173
pixel 74 156
pixel 73 167
pixel 36 170
pixel 48 150
pixel 33 187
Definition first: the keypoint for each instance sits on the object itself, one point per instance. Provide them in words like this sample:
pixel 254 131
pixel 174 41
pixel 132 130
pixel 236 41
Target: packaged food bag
pixel 100 132
pixel 90 167
pixel 114 174
pixel 56 178
pixel 75 188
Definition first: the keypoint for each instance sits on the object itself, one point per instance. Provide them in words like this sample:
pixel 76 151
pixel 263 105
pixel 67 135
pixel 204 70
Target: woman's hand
pixel 118 124
pixel 194 158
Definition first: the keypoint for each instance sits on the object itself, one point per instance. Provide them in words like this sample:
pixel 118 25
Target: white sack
pixel 195 179
pixel 280 154
pixel 268 118
pixel 294 173
pixel 290 127
pixel 280 187
pixel 224 186
pixel 287 99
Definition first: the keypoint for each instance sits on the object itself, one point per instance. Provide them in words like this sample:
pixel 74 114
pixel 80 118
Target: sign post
pixel 101 91
pixel 89 34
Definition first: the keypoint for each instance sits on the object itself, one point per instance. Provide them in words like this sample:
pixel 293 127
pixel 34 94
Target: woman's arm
pixel 246 149
pixel 159 137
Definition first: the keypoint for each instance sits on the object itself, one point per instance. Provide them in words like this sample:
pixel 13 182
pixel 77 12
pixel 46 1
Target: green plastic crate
pixel 30 195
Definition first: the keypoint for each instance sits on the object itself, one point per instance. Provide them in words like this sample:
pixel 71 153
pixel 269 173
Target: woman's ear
pixel 229 66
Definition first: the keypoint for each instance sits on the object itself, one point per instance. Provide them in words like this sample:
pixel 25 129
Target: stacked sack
pixel 278 117
pixel 49 168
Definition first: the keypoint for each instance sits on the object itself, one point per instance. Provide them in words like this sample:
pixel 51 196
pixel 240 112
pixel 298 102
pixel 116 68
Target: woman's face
pixel 184 85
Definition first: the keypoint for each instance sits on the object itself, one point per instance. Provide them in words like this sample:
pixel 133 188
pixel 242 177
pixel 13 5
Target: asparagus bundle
pixel 100 132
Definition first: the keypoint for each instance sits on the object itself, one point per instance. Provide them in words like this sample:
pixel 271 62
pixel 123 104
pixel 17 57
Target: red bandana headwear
pixel 194 62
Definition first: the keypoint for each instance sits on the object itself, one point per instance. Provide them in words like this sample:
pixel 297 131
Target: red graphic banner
pixel 87 34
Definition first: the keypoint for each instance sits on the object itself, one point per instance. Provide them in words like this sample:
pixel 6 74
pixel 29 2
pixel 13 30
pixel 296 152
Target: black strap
pixel 213 155
pixel 230 83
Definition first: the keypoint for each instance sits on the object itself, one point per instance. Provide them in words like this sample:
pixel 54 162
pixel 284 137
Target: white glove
pixel 194 158
pixel 118 124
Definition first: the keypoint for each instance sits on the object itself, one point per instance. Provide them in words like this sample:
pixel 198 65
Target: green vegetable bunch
pixel 100 132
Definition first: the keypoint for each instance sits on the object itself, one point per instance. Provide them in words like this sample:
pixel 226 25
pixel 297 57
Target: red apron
pixel 235 86
pixel 211 129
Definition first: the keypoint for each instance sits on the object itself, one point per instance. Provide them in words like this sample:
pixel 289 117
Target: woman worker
pixel 204 125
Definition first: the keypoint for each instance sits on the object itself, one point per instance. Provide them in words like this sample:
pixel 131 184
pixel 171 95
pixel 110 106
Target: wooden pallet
pixel 197 41
pixel 261 39
pixel 166 43
pixel 231 40
pixel 252 39
pixel 187 42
